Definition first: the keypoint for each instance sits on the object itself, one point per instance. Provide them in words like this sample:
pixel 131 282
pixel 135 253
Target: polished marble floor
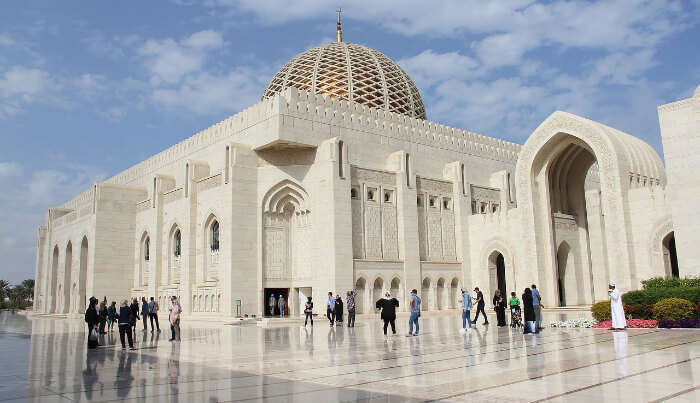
pixel 45 359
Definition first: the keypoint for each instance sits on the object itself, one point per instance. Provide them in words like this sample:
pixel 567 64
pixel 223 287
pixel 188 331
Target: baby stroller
pixel 515 320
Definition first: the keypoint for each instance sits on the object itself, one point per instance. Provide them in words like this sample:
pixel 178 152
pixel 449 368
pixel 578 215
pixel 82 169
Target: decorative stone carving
pixel 357 230
pixel 485 194
pixel 433 185
pixel 390 250
pixel 564 222
pixel 373 234
pixel 364 175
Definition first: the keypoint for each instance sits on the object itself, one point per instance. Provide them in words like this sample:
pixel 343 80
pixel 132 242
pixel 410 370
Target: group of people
pixel 532 309
pixel 334 309
pixel 277 305
pixel 98 315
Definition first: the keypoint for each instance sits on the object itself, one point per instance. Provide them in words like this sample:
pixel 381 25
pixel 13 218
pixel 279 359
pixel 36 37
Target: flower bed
pixel 631 324
pixel 691 323
pixel 573 323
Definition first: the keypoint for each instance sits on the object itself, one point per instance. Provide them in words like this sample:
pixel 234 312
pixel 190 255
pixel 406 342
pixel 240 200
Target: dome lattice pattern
pixel 351 72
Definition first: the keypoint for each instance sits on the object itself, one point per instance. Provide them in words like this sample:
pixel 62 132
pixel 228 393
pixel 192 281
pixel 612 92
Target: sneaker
pixel 462 331
pixel 409 335
pixel 415 334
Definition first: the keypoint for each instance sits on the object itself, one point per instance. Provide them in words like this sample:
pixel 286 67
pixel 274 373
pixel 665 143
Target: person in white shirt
pixel 617 312
pixel 175 311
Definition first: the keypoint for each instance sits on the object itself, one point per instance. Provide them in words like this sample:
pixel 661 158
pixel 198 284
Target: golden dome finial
pixel 340 29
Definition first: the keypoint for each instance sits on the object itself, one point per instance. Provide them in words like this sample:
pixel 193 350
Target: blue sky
pixel 90 88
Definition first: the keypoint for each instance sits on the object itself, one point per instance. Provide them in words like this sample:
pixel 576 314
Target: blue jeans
pixel 282 311
pixel 466 320
pixel 413 319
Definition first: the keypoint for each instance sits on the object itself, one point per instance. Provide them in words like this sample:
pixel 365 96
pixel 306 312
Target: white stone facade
pixel 310 194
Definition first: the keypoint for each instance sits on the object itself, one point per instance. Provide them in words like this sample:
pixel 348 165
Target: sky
pixel 88 89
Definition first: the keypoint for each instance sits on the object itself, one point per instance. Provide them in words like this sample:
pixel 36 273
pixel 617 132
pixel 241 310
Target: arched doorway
pixel 54 279
pixel 67 269
pixel 454 292
pixel 440 293
pixel 360 286
pixel 497 273
pixel 81 297
pixel 377 290
pixel 564 278
pixel 396 292
pixel 670 258
pixel 425 294
pixel 287 241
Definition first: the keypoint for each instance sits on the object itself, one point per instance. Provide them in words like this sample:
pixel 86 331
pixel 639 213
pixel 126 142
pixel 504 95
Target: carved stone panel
pixel 422 234
pixel 276 247
pixel 373 232
pixel 390 232
pixel 434 236
pixel 363 175
pixel 433 185
pixel 564 222
pixel 301 253
pixel 448 236
pixel 357 230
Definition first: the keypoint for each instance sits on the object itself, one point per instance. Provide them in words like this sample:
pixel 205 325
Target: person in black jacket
pixel 124 317
pixel 499 305
pixel 93 320
pixel 134 317
pixel 529 312
pixel 388 306
pixel 338 310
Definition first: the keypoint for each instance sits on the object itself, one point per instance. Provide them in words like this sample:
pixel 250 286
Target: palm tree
pixel 29 288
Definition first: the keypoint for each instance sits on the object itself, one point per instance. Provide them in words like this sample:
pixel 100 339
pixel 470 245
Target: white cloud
pixel 23 81
pixel 9 169
pixel 6 41
pixel 169 60
pixel 89 82
pixel 208 93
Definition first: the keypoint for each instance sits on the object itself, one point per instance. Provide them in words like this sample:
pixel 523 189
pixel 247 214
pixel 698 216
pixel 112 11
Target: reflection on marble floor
pixel 45 359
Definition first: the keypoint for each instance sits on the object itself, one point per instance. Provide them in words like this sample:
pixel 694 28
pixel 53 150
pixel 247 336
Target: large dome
pixel 351 72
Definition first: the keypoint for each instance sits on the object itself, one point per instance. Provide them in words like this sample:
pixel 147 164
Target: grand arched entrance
pixel 287 263
pixel 564 282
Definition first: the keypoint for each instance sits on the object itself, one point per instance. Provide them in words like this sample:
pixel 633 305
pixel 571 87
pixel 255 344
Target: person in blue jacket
pixel 467 305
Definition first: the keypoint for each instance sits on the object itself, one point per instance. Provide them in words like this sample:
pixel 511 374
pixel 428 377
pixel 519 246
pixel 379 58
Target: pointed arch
pixel 66 280
pixel 54 280
pixel 81 297
pixel 284 193
pixel 548 181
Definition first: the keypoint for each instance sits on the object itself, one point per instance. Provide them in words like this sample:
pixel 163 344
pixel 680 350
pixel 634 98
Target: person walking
pixel 415 313
pixel 92 319
pixel 499 305
pixel 309 311
pixel 350 302
pixel 111 316
pixel 174 318
pixel 281 304
pixel 617 311
pixel 144 313
pixel 330 308
pixel 529 312
pixel 124 317
pixel 102 314
pixel 480 304
pixel 388 306
pixel 467 305
pixel 134 317
pixel 537 307
pixel 153 313
pixel 271 303
pixel 338 310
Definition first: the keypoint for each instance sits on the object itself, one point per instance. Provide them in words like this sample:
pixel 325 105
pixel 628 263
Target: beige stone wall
pixel 680 132
pixel 314 193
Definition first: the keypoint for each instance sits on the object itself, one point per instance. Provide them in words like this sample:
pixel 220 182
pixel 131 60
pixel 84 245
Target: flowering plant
pixel 631 324
pixel 689 323
pixel 580 323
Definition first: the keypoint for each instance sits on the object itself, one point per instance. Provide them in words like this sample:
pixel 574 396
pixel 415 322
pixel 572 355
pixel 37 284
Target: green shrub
pixel 639 304
pixel 601 311
pixel 674 309
pixel 662 282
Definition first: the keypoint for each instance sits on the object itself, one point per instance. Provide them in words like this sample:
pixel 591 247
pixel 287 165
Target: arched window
pixel 177 242
pixel 147 249
pixel 215 236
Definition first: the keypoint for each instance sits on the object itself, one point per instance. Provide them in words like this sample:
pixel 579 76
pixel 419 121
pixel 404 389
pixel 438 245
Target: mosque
pixel 336 180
